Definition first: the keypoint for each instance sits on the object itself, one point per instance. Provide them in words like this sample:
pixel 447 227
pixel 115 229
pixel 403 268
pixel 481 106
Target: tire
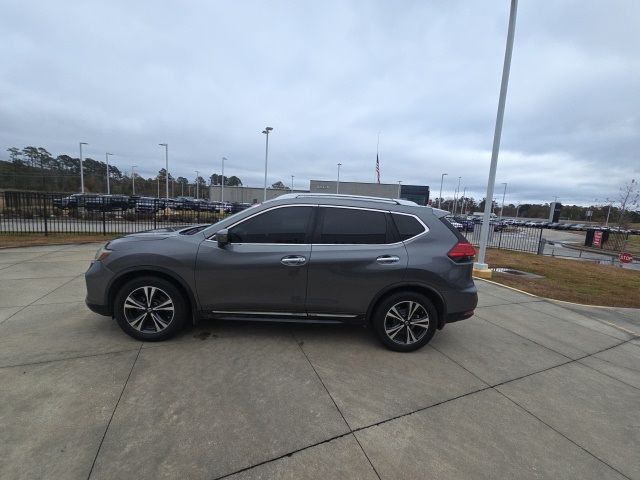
pixel 392 330
pixel 157 322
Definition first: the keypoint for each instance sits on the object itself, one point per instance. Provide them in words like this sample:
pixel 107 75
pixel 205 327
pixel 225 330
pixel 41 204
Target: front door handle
pixel 293 260
pixel 387 259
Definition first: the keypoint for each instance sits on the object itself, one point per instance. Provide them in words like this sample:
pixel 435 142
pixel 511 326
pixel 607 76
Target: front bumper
pixel 97 278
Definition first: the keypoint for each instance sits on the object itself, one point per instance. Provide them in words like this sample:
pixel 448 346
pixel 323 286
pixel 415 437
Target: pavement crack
pixel 300 344
pixel 93 464
pixel 561 434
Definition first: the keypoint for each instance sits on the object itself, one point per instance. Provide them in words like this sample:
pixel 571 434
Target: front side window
pixel 280 225
pixel 353 226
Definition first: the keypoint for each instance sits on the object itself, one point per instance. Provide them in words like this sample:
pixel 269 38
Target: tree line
pixel 621 211
pixel 35 169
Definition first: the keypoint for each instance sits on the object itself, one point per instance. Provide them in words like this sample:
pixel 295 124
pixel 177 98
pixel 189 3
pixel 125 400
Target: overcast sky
pixel 207 77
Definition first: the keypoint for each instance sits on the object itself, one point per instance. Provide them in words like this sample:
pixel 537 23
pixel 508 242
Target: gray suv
pixel 391 264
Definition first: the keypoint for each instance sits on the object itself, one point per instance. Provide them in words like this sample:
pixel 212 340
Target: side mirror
pixel 223 237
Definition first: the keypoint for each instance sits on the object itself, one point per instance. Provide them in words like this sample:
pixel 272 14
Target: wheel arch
pixel 426 290
pixel 118 282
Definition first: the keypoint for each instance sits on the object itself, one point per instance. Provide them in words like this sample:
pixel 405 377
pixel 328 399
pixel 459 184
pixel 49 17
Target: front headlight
pixel 102 253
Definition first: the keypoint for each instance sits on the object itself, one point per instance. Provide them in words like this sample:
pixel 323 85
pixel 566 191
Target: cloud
pixel 207 77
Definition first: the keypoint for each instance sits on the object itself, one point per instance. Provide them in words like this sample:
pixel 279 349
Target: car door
pixel 263 268
pixel 355 254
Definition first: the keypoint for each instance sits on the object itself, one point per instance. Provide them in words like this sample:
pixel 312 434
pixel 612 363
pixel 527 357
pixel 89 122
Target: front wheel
pixel 405 321
pixel 150 308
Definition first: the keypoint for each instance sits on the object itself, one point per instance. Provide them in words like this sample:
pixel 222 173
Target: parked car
pixel 399 267
pixel 146 205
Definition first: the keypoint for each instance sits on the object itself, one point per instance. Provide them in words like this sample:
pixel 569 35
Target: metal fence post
pixel 155 213
pixel 44 213
pixel 104 222
pixel 500 238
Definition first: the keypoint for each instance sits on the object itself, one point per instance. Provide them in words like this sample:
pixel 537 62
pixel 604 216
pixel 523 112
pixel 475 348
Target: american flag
pixel 378 167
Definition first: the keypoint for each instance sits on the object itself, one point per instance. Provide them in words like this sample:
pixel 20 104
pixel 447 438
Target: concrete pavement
pixel 527 388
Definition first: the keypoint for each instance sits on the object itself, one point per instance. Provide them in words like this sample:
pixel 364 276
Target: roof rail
pixel 394 201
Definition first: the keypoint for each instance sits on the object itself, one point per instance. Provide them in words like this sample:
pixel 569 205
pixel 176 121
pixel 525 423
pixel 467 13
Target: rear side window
pixel 353 226
pixel 454 230
pixel 281 225
pixel 407 225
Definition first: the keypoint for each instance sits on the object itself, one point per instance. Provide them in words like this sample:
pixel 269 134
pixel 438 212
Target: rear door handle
pixel 387 259
pixel 293 260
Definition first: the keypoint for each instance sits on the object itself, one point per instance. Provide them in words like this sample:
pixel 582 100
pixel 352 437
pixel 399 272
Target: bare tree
pixel 628 200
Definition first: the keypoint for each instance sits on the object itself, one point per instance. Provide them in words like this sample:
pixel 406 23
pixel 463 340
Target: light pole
pixel 464 201
pixel 266 131
pixel 166 168
pixel 197 184
pixel 81 169
pixel 222 181
pixel 106 156
pixel 608 213
pixel 441 181
pixel 292 177
pixel 338 182
pixel 455 200
pixel 399 184
pixel 133 179
pixel 484 232
pixel 503 194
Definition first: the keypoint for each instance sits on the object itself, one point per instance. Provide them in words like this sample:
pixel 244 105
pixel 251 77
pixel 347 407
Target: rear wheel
pixel 150 308
pixel 405 321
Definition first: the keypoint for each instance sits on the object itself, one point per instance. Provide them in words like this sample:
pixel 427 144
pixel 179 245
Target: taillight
pixel 462 251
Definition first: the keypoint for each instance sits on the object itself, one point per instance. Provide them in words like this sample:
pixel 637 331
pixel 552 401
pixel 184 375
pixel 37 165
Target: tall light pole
pixel 484 233
pixel 197 184
pixel 399 185
pixel 292 177
pixel 503 194
pixel 222 181
pixel 166 168
pixel 455 200
pixel 338 182
pixel 464 201
pixel 266 131
pixel 106 156
pixel 441 181
pixel 81 169
pixel 133 179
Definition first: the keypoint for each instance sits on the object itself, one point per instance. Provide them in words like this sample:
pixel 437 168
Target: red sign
pixel 597 238
pixel 625 257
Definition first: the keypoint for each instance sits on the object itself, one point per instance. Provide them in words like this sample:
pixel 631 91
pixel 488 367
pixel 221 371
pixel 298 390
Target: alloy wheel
pixel 149 309
pixel 406 322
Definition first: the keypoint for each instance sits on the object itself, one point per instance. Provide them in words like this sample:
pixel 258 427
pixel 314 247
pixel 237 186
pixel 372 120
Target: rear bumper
pixel 460 304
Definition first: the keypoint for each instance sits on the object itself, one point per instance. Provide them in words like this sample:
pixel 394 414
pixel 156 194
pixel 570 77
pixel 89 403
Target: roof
pixel 337 196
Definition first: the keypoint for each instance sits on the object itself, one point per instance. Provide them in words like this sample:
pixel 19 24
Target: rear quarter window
pixel 407 226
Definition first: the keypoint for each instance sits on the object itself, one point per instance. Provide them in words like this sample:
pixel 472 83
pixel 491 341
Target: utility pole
pixel 133 179
pixel 338 182
pixel 106 156
pixel 166 168
pixel 503 195
pixel 266 131
pixel 82 168
pixel 222 181
pixel 484 233
pixel 292 177
pixel 441 182
pixel 197 184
